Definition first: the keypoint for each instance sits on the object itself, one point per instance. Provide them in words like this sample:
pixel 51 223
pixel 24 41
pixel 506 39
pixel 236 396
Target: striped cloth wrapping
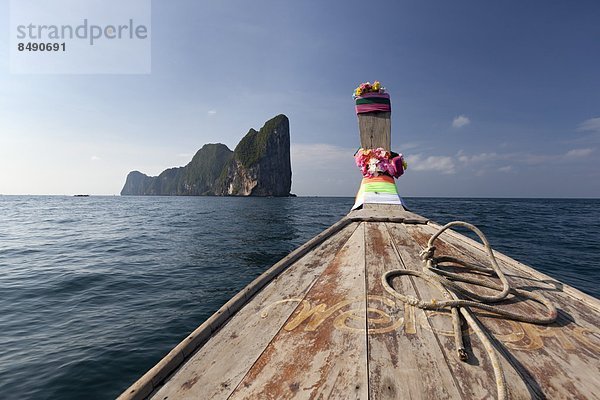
pixel 373 102
pixel 380 189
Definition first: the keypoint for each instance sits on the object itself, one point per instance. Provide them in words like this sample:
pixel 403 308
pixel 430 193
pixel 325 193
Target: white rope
pixel 460 300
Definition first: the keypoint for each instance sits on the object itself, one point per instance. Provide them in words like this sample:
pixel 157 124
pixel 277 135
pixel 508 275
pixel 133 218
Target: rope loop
pixel 459 300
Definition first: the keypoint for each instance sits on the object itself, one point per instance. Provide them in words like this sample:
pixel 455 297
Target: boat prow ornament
pixel 378 164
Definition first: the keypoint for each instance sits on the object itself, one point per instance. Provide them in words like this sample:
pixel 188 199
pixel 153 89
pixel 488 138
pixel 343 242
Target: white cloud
pixel 536 159
pixel 95 158
pixel 496 160
pixel 592 125
pixel 506 168
pixel 460 121
pixel 443 164
pixel 478 158
pixel 579 153
pixel 212 112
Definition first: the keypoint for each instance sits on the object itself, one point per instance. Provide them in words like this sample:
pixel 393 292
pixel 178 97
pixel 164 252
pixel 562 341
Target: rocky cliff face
pixel 136 182
pixel 259 166
pixel 261 162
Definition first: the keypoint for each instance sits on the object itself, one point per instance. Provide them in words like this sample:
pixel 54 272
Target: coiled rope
pixel 459 300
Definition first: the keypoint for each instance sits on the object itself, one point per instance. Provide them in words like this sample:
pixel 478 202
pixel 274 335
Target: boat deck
pixel 319 324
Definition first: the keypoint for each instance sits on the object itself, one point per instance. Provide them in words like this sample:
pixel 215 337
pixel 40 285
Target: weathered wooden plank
pixel 474 378
pixel 561 359
pixel 218 367
pixel 320 352
pixel 402 364
pixel 394 213
pixel 386 209
pixel 375 130
pixel 170 362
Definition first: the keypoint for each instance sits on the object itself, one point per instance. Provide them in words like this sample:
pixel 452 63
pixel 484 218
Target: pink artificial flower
pixel 384 165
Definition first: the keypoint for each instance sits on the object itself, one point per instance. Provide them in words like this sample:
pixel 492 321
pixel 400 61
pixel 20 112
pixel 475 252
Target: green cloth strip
pixel 373 100
pixel 380 187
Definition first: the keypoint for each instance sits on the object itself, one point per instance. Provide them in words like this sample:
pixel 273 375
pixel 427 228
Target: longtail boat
pixel 386 304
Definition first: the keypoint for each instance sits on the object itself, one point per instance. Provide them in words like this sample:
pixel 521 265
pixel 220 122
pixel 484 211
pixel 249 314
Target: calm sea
pixel 94 291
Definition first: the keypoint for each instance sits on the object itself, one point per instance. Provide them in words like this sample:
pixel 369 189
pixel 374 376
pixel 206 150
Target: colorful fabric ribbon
pixel 373 102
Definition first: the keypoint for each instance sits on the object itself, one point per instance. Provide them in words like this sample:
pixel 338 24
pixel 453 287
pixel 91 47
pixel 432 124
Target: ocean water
pixel 94 291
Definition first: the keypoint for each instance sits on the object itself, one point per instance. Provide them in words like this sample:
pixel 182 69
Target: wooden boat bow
pixel 320 324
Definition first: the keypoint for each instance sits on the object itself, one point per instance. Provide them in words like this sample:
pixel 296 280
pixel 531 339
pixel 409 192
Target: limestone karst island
pixel 259 166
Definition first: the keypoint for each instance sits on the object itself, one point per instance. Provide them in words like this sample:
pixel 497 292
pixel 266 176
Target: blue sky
pixel 491 99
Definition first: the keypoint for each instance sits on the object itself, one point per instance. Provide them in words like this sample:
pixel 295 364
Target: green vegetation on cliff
pixel 254 145
pixel 206 167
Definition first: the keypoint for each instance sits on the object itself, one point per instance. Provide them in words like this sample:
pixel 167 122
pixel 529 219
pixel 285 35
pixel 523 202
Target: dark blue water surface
pixel 94 291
